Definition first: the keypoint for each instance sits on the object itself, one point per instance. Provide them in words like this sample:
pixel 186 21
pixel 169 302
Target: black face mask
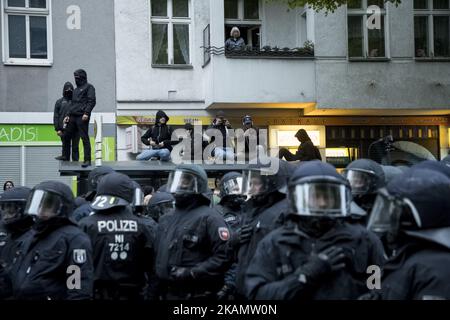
pixel 80 81
pixel 234 202
pixel 365 201
pixel 68 94
pixel 315 226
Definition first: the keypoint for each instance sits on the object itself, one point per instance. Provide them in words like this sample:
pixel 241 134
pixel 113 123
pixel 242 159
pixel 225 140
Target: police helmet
pixel 114 190
pixel 12 204
pixel 49 199
pixel 365 176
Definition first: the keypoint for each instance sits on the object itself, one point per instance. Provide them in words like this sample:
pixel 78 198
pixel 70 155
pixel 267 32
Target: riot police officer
pixel 54 262
pixel 263 212
pixel 192 254
pixel 230 207
pixel 316 254
pixel 16 224
pixel 161 203
pixel 365 177
pixel 412 215
pixel 123 248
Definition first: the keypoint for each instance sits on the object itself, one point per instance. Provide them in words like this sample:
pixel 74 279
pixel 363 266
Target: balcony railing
pixel 270 52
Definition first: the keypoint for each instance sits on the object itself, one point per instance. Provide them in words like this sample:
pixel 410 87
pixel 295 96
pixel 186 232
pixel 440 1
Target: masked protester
pixel 65 128
pixel 123 245
pixel 16 224
pixel 192 253
pixel 263 212
pixel 315 254
pixel 158 138
pixel 230 207
pixel 365 177
pixel 83 102
pixel 161 204
pixel 54 251
pixel 84 208
pixel 412 216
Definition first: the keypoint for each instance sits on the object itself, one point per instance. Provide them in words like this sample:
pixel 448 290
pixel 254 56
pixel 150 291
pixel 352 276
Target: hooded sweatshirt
pixel 159 133
pixel 62 107
pixel 84 99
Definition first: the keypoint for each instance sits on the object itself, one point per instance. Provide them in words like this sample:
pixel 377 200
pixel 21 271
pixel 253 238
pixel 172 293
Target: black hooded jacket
pixel 159 132
pixel 62 108
pixel 84 99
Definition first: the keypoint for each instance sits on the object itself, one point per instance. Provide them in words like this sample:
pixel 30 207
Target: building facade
pixel 42 43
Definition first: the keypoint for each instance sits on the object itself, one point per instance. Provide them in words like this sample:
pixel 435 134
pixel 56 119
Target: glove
pixel 224 293
pixel 245 234
pixel 181 274
pixel 326 262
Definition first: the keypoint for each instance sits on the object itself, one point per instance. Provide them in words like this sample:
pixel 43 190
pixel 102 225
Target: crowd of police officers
pixel 302 231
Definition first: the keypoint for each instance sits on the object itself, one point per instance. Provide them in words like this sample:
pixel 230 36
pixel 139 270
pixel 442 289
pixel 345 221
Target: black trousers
pixel 287 155
pixel 82 130
pixel 70 141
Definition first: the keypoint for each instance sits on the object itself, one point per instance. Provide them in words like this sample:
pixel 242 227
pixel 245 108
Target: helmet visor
pixel 44 204
pixel 182 182
pixel 320 199
pixel 360 181
pixel 385 213
pixel 233 186
pixel 9 210
pixel 138 199
pixel 255 183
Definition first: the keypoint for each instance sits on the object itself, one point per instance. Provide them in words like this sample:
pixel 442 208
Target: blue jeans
pixel 224 153
pixel 162 154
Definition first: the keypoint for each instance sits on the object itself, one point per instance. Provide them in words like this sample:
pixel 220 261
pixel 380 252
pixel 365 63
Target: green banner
pixel 14 133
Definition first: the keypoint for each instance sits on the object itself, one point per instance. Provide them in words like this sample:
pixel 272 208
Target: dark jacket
pixel 226 139
pixel 263 219
pixel 271 274
pixel 234 44
pixel 159 133
pixel 62 108
pixel 307 152
pixel 123 248
pixel 419 271
pixel 191 238
pixel 41 270
pixel 84 99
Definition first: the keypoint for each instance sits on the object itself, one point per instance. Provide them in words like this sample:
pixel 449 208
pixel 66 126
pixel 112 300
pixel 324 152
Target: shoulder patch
pixel 79 256
pixel 224 234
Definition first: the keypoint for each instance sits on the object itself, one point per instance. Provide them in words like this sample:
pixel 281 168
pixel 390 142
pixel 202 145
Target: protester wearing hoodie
pixel 158 138
pixel 64 128
pixel 83 102
pixel 306 151
pixel 235 42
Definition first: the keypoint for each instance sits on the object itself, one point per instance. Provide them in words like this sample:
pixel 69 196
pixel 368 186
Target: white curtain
pixel 159 32
pixel 182 36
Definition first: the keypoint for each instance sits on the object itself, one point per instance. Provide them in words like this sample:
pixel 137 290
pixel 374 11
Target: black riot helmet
pixel 365 176
pixel 13 203
pixel 50 199
pixel 260 180
pixel 114 190
pixel 231 184
pixel 316 189
pixel 188 179
pixel 160 204
pixel 95 175
pixel 416 203
pixel 434 165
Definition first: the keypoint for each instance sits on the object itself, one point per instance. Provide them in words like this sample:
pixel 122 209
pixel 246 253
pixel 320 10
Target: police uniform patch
pixel 224 234
pixel 79 256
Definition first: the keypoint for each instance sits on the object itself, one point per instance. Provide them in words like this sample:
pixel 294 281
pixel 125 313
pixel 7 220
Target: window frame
pixel 27 12
pixel 241 21
pixel 430 13
pixel 358 12
pixel 171 21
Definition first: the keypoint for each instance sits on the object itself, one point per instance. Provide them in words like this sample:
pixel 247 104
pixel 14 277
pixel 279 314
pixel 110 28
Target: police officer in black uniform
pixel 230 207
pixel 54 262
pixel 161 203
pixel 316 254
pixel 123 248
pixel 412 214
pixel 365 177
pixel 192 254
pixel 16 224
pixel 263 212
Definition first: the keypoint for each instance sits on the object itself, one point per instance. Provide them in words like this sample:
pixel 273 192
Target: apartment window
pixel 26 32
pixel 244 14
pixel 432 28
pixel 365 42
pixel 171 28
